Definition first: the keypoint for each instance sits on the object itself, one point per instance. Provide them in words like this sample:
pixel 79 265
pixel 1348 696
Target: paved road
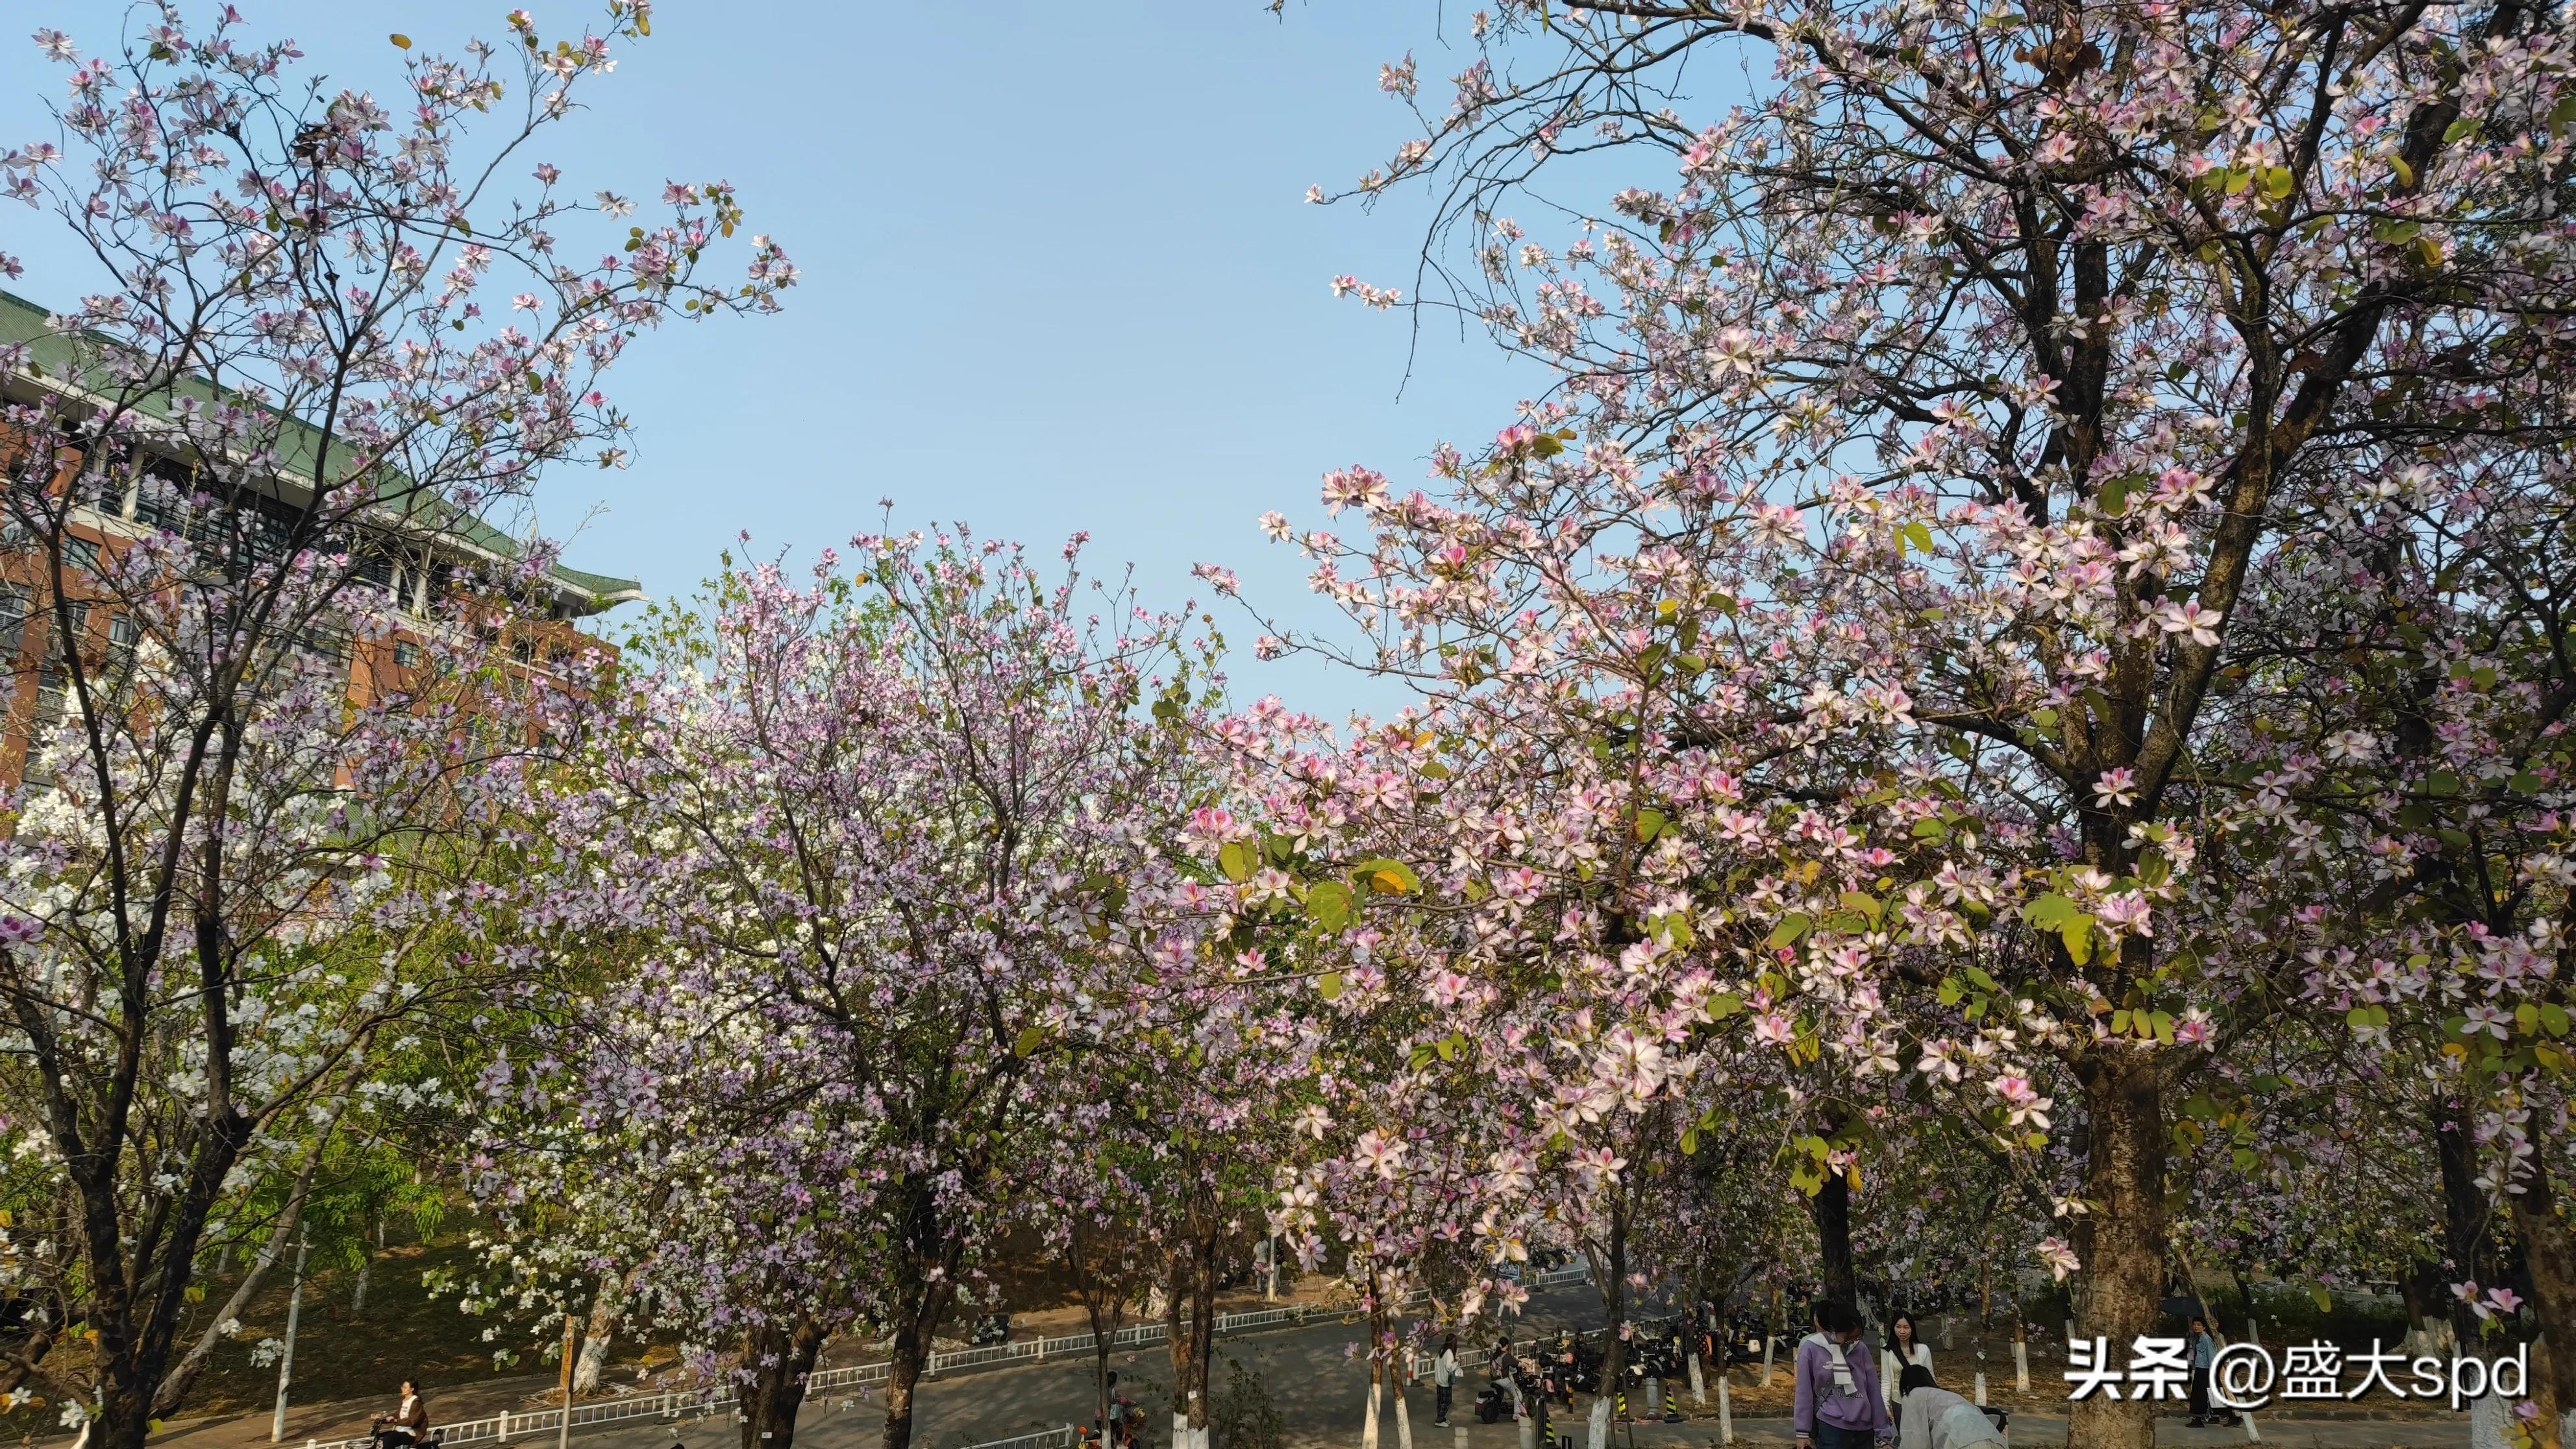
pixel 1313 1375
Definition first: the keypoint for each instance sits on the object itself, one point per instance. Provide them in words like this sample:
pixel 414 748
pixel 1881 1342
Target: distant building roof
pixel 22 321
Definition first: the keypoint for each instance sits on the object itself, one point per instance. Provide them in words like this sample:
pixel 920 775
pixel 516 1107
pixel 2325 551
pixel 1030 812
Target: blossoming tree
pixel 2031 334
pixel 886 852
pixel 235 810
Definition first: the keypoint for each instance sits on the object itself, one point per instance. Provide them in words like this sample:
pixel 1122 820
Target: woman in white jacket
pixel 1905 1348
pixel 1936 1418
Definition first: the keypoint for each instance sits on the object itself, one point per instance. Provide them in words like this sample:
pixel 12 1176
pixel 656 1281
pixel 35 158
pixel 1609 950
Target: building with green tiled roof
pixel 447 536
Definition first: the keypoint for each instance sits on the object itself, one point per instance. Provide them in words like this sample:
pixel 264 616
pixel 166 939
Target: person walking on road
pixel 1839 1405
pixel 1444 1378
pixel 2204 1354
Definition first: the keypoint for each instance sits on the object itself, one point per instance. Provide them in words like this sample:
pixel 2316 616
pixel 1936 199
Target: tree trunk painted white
pixel 1699 1384
pixel 2487 1416
pixel 2021 1366
pixel 1596 1427
pixel 600 1334
pixel 1981 1388
pixel 286 1360
pixel 1766 1358
pixel 1403 1420
pixel 1368 1430
pixel 358 1297
pixel 1725 1413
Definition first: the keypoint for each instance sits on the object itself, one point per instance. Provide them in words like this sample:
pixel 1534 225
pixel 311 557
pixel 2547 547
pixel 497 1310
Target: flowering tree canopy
pixel 882 855
pixel 247 488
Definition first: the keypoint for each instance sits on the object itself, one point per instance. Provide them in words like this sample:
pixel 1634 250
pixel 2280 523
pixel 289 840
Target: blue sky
pixel 1058 274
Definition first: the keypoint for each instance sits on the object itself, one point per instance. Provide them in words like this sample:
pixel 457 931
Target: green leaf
pixel 1917 533
pixel 1238 860
pixel 1330 985
pixel 1929 829
pixel 2237 179
pixel 2458 131
pixel 1690 1142
pixel 2115 497
pixel 1650 823
pixel 1864 903
pixel 1331 905
pixel 2318 1295
pixel 2279 182
pixel 1031 1038
pixel 1723 1005
pixel 1792 926
pixel 2079 941
pixel 2053 912
pixel 2245 1159
pixel 1388 877
pixel 2526 783
pixel 2405 173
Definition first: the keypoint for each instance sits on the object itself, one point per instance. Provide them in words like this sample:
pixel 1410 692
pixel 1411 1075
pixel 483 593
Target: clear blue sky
pixel 1057 272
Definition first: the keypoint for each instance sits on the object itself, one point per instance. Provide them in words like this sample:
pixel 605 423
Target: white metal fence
pixel 674 1406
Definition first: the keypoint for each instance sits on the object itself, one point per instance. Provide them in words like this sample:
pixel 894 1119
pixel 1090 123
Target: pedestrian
pixel 1936 1418
pixel 1444 1377
pixel 1838 1403
pixel 2204 1353
pixel 1905 1349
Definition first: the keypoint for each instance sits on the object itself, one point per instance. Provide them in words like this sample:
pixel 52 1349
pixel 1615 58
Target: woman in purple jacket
pixel 1839 1405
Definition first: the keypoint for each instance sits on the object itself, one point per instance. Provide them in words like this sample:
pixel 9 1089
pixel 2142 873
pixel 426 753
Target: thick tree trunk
pixel 1377 1368
pixel 904 1366
pixel 1833 1239
pixel 1610 1275
pixel 926 1287
pixel 778 1360
pixel 600 1333
pixel 1201 1396
pixel 2465 1217
pixel 1104 1322
pixel 2123 1237
pixel 2547 1252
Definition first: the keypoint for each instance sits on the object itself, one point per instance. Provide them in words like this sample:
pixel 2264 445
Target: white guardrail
pixel 507 1428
